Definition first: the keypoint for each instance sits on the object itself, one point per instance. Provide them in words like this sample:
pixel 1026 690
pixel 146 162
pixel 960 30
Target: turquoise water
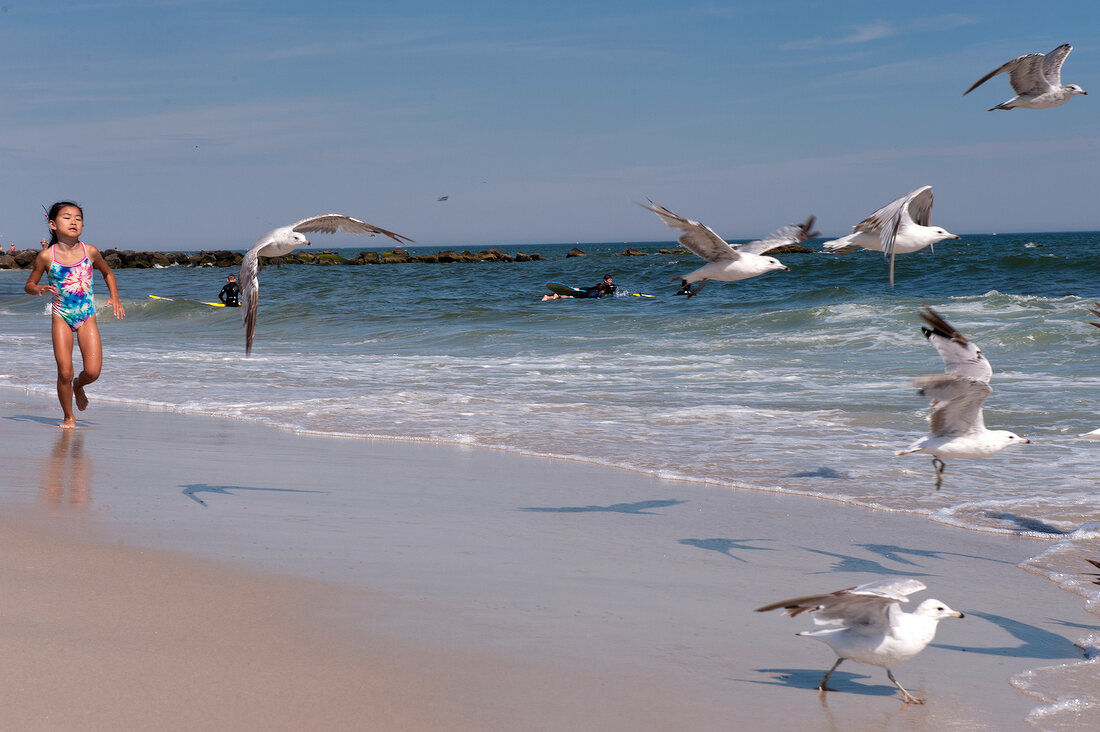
pixel 792 381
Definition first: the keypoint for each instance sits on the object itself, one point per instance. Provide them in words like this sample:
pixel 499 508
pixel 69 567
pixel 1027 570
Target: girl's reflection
pixel 68 470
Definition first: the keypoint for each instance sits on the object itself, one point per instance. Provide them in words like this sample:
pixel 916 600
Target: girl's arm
pixel 109 277
pixel 41 262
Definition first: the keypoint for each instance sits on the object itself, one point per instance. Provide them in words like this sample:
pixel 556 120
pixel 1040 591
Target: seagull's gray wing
pixel 956 403
pixel 885 218
pixel 1025 74
pixel 698 238
pixel 331 223
pixel 960 356
pixel 1027 77
pixel 919 206
pixel 790 234
pixel 248 281
pixel 1096 313
pixel 866 605
pixel 1052 65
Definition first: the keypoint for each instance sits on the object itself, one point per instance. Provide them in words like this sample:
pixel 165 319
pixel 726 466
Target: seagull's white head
pixel 1074 89
pixel 1008 438
pixel 935 233
pixel 936 610
pixel 771 263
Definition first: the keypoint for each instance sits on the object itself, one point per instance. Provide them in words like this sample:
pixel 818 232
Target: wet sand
pixel 175 571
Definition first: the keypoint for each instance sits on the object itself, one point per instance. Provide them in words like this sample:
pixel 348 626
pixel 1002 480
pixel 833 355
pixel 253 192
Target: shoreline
pixel 940 516
pixel 582 594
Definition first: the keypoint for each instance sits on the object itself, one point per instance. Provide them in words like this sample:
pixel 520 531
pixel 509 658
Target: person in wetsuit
pixel 604 289
pixel 231 293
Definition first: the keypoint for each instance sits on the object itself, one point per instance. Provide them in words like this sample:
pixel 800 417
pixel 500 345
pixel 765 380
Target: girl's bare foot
pixel 80 397
pixel 68 423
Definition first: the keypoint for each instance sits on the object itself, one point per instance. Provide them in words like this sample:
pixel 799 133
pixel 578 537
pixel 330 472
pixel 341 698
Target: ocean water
pixel 791 382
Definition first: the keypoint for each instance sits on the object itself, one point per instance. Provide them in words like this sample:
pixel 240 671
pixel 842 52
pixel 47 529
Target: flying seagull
pixel 957 429
pixel 1037 80
pixel 1096 564
pixel 284 240
pixel 899 227
pixel 866 624
pixel 1096 313
pixel 724 262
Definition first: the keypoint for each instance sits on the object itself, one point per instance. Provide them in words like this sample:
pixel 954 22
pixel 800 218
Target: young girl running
pixel 68 263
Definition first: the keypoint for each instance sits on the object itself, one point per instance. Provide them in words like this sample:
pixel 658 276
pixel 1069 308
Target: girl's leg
pixel 91 353
pixel 63 354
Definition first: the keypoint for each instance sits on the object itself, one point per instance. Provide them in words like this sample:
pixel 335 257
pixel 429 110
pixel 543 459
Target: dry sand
pixel 167 571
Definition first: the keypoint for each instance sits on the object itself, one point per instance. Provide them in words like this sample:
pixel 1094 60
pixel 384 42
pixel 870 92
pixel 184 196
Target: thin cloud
pixel 859 34
pixel 880 29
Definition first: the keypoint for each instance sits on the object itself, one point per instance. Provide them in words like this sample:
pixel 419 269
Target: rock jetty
pixel 128 259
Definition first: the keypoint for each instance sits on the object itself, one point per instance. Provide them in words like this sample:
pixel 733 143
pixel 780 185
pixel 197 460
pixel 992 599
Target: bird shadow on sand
pixel 1025 524
pixel 636 507
pixel 1080 626
pixel 727 546
pixel 822 472
pixel 843 682
pixel 897 554
pixel 227 490
pixel 1034 641
pixel 849 563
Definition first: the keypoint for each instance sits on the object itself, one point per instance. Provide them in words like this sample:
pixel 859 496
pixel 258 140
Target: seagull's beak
pixel 786 269
pixel 957 614
pixel 956 236
pixel 1025 440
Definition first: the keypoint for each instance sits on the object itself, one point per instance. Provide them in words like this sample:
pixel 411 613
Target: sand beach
pixel 177 571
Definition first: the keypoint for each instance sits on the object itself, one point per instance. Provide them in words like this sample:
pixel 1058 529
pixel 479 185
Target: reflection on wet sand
pixel 68 471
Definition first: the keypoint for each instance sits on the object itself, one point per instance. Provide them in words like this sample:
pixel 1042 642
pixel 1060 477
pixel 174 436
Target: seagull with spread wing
pixel 1037 80
pixel 866 624
pixel 284 240
pixel 1095 312
pixel 957 428
pixel 724 262
pixel 900 227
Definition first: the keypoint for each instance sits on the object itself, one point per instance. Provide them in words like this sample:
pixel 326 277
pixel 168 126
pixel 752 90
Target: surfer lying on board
pixel 231 293
pixel 604 289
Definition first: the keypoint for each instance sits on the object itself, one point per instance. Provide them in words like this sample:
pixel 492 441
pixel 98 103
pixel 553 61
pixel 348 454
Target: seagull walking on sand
pixel 957 428
pixel 284 240
pixel 1037 80
pixel 866 624
pixel 900 227
pixel 724 262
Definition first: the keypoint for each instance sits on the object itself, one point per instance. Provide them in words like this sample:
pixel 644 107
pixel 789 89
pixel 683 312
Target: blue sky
pixel 202 124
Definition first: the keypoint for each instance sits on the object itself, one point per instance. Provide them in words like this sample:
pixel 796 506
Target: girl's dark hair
pixel 55 210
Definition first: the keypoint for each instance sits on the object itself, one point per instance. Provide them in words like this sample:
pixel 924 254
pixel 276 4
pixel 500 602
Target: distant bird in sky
pixel 1037 80
pixel 726 263
pixel 442 198
pixel 284 240
pixel 900 227
pixel 957 428
pixel 866 624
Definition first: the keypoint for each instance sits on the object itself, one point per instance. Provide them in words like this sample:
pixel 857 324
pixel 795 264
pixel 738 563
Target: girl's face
pixel 69 223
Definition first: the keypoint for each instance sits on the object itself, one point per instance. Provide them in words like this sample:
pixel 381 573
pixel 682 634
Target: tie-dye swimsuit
pixel 73 301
